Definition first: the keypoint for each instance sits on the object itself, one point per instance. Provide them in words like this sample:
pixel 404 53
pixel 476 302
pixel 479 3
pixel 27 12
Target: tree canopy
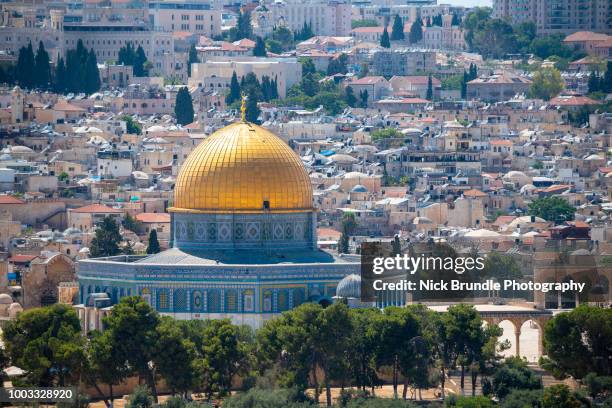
pixel 183 107
pixel 554 209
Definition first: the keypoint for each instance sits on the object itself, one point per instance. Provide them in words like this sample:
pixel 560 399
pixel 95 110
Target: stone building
pixel 41 282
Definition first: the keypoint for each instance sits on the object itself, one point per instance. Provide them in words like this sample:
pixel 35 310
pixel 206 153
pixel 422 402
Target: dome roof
pixel 238 169
pixel 5 299
pixel 359 189
pixel 349 287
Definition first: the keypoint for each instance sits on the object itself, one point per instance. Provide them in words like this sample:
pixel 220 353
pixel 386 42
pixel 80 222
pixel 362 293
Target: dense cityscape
pixel 290 204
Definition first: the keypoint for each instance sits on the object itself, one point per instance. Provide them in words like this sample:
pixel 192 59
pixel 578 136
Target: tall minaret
pixel 17 101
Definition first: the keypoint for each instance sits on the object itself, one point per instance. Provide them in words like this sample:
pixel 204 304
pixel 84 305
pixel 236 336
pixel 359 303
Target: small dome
pixel 5 299
pixel 349 287
pixel 21 149
pixel 359 189
pixel 14 309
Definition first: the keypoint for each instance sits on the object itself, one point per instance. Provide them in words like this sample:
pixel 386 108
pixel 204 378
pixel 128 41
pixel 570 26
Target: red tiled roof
pixel 21 258
pixel 504 219
pixel 585 36
pixel 573 101
pixel 8 199
pixel 501 142
pixel 474 193
pixel 97 208
pixel 368 80
pixel 153 217
pixel 366 30
pixel 328 233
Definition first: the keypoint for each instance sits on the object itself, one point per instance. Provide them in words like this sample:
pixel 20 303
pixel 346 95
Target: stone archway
pixel 517 323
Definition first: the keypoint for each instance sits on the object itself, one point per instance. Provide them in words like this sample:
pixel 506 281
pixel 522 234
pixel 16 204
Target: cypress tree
pixel 153 247
pixel 60 76
pixel 43 68
pixel 397 31
pixel 464 85
pixel 594 83
pixel 274 89
pixel 92 74
pixel 349 97
pixel 234 93
pixel 260 48
pixel 416 31
pixel 193 58
pixel 140 60
pixel 384 40
pixel 25 70
pixel 607 79
pixel 252 110
pixel 183 108
pixel 429 88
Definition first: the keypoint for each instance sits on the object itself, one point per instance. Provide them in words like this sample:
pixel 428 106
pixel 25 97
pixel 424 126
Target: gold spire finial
pixel 243 108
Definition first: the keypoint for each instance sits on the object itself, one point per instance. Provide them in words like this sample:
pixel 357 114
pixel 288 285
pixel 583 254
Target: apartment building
pixel 557 16
pixel 327 18
pixel 219 70
pixel 194 17
pixel 403 62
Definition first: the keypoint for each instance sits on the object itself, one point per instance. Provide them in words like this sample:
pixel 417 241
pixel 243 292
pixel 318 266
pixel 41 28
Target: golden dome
pixel 242 168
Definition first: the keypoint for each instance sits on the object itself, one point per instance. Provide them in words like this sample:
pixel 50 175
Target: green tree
pixel 153 247
pixel 560 396
pixel 554 209
pixel 192 58
pixel 104 365
pixel 140 398
pixel 397 31
pixel 276 398
pixel 243 26
pixel 384 40
pixel 224 354
pixel 260 48
pixel 252 110
pixel 468 402
pixel 234 92
pixel 59 80
pixel 174 356
pixel 43 68
pixel 501 266
pixel 363 344
pixel 348 226
pixel 183 107
pixel 47 343
pixel 308 66
pixel 429 88
pixel 106 240
pixel 304 33
pixel 607 79
pixel 523 398
pixel 364 23
pixel 514 374
pixel 140 63
pixel 363 96
pixel 599 387
pixel 416 31
pixel 283 35
pixel 465 331
pixel 133 330
pixel 549 45
pixel 349 97
pixel 92 81
pixel 547 83
pixel 577 342
pixel 131 126
pixel 338 65
pixel 26 67
pixel 275 47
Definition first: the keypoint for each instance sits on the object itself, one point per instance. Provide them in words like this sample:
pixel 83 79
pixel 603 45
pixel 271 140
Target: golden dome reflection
pixel 242 168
